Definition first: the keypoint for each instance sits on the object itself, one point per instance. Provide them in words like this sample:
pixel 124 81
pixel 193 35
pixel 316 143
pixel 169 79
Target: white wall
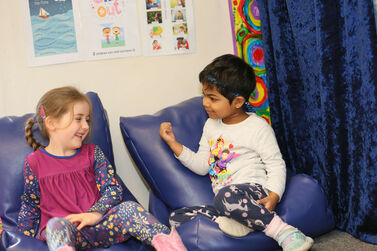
pixel 127 86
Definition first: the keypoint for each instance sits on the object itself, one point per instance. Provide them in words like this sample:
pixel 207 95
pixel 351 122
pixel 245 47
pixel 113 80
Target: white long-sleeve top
pixel 246 152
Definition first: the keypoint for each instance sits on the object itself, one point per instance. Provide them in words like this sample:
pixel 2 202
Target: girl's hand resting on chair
pixel 270 201
pixel 84 219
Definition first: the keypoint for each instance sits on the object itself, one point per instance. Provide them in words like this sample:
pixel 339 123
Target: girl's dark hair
pixel 230 75
pixel 54 103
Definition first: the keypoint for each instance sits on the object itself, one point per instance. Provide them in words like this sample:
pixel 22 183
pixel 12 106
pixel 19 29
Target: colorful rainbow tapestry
pixel 248 44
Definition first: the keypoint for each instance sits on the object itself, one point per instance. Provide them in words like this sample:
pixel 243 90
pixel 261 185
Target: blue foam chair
pixel 14 149
pixel 173 186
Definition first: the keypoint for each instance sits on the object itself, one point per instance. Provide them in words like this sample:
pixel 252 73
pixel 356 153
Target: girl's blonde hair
pixel 54 103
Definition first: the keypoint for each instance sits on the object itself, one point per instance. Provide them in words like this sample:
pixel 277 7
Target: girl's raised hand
pixel 166 132
pixel 84 219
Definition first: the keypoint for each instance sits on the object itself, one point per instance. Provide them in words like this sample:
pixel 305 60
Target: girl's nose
pixel 85 124
pixel 205 102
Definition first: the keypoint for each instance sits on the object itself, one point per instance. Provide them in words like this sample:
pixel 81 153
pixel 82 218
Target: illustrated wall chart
pixel 60 31
pixel 248 44
pixel 109 28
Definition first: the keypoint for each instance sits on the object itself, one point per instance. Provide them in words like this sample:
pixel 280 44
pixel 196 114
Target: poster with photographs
pixel 167 27
pixel 61 31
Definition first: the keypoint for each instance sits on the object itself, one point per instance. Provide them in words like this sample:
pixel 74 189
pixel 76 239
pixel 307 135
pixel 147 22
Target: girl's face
pixel 70 131
pixel 218 107
pixel 116 30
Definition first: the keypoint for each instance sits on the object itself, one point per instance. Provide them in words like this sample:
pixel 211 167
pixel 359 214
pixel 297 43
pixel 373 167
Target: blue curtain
pixel 321 64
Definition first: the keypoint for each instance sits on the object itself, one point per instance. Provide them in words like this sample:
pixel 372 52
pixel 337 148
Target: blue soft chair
pixel 14 149
pixel 173 186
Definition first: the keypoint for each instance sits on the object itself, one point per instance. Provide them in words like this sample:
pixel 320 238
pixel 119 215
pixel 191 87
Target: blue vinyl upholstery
pixel 173 186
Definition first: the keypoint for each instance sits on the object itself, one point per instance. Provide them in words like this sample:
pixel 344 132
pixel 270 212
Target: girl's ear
pixel 238 102
pixel 49 123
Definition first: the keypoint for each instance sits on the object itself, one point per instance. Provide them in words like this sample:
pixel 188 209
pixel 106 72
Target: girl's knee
pixel 56 222
pixel 59 224
pixel 129 204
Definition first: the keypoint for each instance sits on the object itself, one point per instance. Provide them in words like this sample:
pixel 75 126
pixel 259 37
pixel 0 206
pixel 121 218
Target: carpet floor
pixel 340 241
pixel 337 240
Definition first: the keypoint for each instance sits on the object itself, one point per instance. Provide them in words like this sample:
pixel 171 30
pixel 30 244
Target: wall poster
pixel 109 28
pixel 52 31
pixel 167 27
pixel 60 31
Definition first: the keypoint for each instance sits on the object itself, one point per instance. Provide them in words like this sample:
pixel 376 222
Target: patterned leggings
pixel 238 202
pixel 122 221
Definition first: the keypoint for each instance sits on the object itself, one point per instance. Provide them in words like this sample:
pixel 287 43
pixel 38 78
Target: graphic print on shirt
pixel 221 154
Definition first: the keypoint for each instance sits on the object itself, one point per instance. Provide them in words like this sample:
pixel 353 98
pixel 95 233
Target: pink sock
pixel 66 248
pixel 171 242
pixel 275 227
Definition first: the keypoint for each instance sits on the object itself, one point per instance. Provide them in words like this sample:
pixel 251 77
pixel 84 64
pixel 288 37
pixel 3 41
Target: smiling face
pixel 218 107
pixel 106 31
pixel 69 131
pixel 116 30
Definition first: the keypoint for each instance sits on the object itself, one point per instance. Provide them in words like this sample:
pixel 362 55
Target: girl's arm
pixel 268 149
pixel 196 162
pixel 30 214
pixel 111 191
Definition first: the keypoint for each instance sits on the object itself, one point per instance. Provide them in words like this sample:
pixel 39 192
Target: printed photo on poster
pixel 180 29
pixel 153 4
pixel 177 3
pixel 181 44
pixel 154 17
pixel 178 15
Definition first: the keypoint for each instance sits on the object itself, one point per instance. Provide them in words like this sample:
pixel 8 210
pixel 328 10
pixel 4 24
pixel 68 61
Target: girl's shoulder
pixel 33 156
pixel 257 121
pixel 212 122
pixel 89 149
pixel 92 150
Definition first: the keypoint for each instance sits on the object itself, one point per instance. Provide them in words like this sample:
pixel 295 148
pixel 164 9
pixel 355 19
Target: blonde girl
pixel 71 198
